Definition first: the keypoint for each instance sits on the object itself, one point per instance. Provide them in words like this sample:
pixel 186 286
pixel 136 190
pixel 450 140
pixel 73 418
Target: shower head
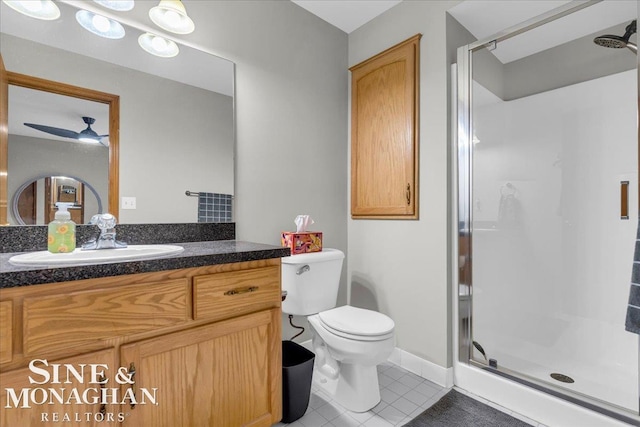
pixel 619 42
pixel 615 42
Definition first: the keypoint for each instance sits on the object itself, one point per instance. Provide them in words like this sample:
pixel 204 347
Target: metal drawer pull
pixel 408 193
pixel 132 386
pixel 242 291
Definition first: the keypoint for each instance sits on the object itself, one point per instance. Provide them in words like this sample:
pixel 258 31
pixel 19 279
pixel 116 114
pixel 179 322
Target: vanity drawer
pixel 6 331
pixel 68 320
pixel 230 294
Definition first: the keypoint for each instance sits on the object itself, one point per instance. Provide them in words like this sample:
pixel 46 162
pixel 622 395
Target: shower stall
pixel 547 179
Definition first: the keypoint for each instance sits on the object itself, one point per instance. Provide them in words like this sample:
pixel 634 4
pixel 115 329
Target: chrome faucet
pixel 107 239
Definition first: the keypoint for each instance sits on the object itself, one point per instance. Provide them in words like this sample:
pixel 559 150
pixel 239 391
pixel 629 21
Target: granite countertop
pixel 195 254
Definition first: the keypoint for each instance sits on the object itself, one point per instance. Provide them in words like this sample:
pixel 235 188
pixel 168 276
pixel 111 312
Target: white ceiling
pixel 347 15
pixel 484 18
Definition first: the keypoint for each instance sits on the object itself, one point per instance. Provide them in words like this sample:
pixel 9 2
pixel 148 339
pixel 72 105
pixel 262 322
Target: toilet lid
pixel 357 321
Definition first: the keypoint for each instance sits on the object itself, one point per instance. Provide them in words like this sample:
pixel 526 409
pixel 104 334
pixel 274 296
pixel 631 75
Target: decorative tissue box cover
pixel 302 243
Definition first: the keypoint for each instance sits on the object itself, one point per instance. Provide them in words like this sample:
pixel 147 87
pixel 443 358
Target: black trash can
pixel 297 370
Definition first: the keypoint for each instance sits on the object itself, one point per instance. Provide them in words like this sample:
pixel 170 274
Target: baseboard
pixel 412 363
pixel 425 369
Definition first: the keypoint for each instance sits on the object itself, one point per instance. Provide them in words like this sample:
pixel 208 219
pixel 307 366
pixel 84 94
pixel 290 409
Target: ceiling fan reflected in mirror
pixel 86 135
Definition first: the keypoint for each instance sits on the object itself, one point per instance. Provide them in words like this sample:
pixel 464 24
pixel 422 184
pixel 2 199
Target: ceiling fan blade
pixel 65 133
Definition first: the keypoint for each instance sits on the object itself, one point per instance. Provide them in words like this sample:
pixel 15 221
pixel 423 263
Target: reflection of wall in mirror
pixel 33 157
pixel 173 137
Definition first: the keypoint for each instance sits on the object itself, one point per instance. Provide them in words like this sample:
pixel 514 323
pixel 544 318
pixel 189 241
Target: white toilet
pixel 349 342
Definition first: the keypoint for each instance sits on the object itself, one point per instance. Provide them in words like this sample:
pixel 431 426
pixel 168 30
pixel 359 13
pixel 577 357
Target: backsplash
pixel 25 238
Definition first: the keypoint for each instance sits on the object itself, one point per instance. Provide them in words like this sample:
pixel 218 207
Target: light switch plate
pixel 128 203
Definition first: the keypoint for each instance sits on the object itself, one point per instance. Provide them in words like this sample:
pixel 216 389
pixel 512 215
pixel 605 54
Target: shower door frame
pixel 462 155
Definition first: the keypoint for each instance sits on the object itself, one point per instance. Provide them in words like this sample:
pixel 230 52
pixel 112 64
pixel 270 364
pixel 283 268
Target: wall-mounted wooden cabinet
pixel 384 134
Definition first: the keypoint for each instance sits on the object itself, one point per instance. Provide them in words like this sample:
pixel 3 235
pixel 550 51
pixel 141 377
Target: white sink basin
pixel 130 253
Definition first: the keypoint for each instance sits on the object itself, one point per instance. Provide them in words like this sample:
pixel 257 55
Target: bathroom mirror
pixel 176 127
pixel 38 150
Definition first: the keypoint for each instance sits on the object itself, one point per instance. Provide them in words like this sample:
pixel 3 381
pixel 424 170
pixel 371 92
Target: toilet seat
pixel 357 323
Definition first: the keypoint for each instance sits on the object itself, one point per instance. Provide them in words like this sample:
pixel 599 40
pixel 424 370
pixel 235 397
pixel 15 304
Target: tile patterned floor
pixel 404 396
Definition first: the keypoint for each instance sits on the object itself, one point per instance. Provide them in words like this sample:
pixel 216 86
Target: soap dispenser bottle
pixel 62 231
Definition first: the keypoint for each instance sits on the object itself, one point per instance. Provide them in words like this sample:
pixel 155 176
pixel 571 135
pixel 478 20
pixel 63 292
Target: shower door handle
pixel 624 199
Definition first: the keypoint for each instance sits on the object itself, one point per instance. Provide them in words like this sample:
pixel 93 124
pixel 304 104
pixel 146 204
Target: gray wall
pixel 398 266
pixel 569 63
pixel 291 117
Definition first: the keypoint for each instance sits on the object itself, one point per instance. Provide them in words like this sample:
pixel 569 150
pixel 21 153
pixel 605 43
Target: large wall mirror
pixel 170 129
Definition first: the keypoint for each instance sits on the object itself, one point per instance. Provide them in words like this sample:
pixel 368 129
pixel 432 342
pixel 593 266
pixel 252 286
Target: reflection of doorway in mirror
pixel 61 189
pixel 28 204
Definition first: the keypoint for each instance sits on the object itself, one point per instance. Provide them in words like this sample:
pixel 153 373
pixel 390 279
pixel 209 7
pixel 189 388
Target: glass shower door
pixel 553 207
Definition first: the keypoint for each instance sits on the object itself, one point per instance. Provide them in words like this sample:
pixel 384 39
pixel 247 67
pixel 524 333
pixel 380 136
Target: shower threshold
pixel 612 412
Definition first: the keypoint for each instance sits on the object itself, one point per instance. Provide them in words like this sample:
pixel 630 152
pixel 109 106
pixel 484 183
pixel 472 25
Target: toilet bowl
pixel 349 342
pixel 348 349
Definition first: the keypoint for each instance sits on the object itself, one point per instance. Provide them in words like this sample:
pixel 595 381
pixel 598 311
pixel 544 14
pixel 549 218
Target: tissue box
pixel 303 242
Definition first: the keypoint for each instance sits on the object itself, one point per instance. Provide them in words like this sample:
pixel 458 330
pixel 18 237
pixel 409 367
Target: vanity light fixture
pixel 158 46
pixel 100 25
pixel 170 15
pixel 39 9
pixel 119 5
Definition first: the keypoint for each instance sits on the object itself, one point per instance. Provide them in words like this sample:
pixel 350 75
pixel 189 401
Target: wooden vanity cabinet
pixel 205 342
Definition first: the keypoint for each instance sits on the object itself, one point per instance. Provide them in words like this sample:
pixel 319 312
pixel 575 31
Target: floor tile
pixel 398 387
pixel 317 400
pixel 313 419
pixel 395 372
pixel 330 411
pixel 388 396
pixel 376 421
pixel 361 417
pixel 345 420
pixel 416 397
pixel 406 406
pixel 393 415
pixel 427 388
pixel 384 380
pixel 410 380
pixel 404 395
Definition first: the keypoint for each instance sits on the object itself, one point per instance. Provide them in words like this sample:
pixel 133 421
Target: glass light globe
pixel 39 9
pixel 159 44
pixel 32 6
pixel 101 23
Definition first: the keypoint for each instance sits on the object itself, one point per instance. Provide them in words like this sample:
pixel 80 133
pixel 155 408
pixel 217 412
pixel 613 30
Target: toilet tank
pixel 311 281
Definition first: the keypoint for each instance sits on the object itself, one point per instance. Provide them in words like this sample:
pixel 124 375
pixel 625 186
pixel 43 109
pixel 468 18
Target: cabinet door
pixel 226 374
pixel 6 331
pixel 384 134
pixel 68 402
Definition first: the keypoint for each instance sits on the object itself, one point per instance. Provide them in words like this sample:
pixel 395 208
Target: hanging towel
pixel 633 310
pixel 509 209
pixel 214 207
